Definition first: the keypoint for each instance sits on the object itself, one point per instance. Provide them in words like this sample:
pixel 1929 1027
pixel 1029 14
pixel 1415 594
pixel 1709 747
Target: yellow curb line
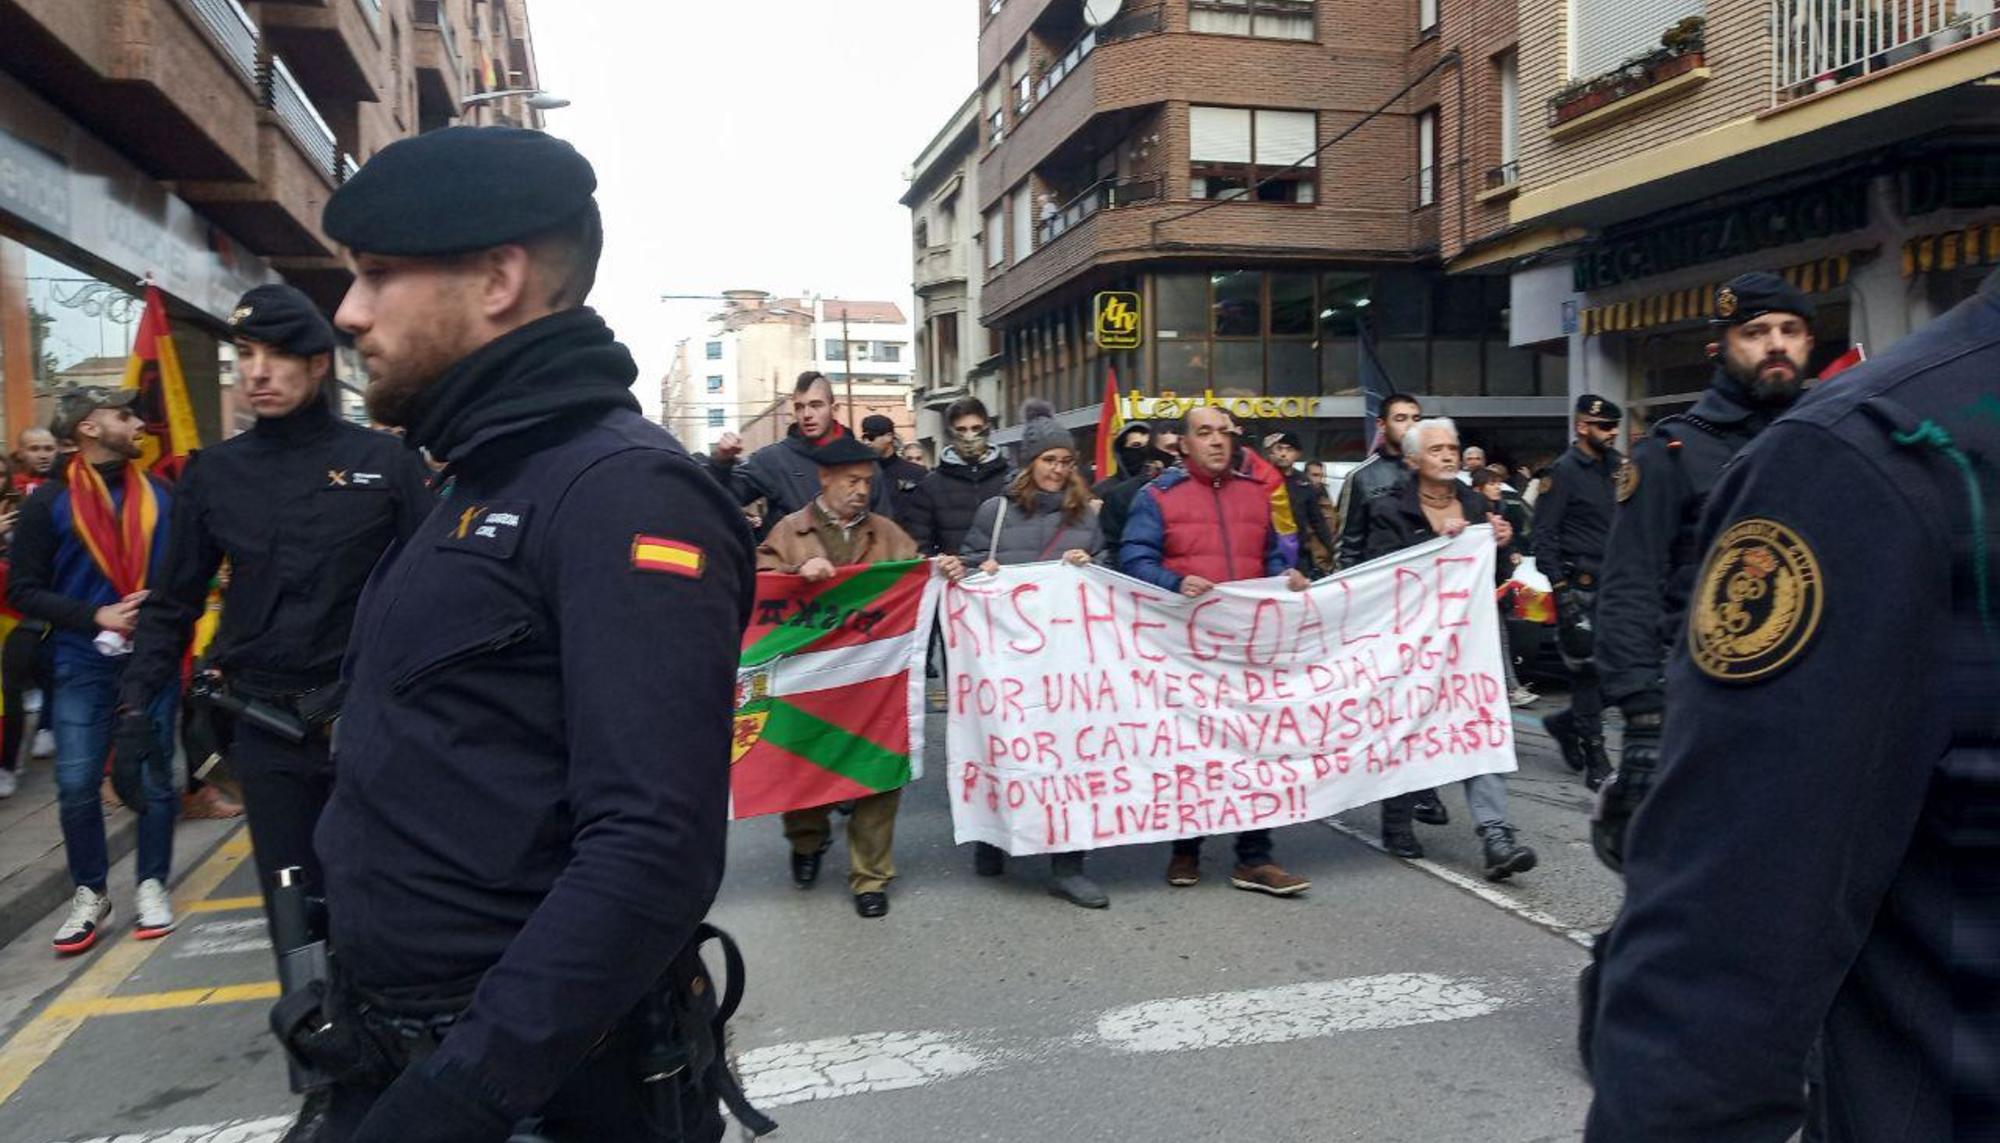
pixel 224 905
pixel 44 1035
pixel 161 1001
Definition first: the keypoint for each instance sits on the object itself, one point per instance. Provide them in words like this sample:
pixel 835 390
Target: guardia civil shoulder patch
pixel 671 557
pixel 1757 605
pixel 1626 479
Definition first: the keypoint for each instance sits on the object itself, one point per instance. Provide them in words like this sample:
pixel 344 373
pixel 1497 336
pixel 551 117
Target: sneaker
pixel 9 783
pixel 209 804
pixel 1522 696
pixel 89 911
pixel 31 702
pixel 1183 870
pixel 45 744
pixel 1268 878
pixel 156 912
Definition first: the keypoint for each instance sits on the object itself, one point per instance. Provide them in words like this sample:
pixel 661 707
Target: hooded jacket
pixel 939 511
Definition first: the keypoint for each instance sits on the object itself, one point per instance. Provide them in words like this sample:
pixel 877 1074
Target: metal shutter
pixel 1606 33
pixel 1219 134
pixel 1283 137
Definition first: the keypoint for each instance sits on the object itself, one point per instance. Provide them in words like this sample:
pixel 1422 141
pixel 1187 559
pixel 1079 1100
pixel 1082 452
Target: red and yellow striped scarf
pixel 119 540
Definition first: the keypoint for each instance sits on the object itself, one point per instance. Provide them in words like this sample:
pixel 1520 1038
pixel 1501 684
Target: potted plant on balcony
pixel 1954 30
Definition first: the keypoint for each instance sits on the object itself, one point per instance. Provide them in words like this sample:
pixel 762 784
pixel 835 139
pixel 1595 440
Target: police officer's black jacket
pixel 1573 517
pixel 1651 556
pixel 1381 474
pixel 302 507
pixel 1821 852
pixel 534 758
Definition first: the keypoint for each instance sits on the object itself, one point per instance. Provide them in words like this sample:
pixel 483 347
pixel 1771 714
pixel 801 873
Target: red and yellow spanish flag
pixel 1110 422
pixel 155 370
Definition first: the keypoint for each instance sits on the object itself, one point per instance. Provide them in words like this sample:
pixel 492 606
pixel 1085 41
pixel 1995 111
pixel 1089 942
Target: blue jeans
pixel 85 705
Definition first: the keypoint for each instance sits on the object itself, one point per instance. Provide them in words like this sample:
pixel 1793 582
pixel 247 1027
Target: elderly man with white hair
pixel 1431 504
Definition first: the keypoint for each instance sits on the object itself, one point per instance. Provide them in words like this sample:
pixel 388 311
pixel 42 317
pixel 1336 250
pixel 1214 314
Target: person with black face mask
pixel 1139 460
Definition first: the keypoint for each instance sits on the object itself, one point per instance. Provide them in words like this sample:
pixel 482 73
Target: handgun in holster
pixel 313 1019
pixel 209 691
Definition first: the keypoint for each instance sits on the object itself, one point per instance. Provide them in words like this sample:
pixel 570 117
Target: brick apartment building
pixel 1665 147
pixel 1283 184
pixel 195 142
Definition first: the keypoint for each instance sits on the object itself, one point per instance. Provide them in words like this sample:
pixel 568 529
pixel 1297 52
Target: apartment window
pixel 1024 221
pixel 714 383
pixel 995 105
pixel 1271 19
pixel 996 238
pixel 1232 150
pixel 923 236
pixel 715 418
pixel 1022 81
pixel 1606 33
pixel 713 351
pixel 947 221
pixel 886 351
pixel 836 349
pixel 1427 152
pixel 1427 15
pixel 1510 116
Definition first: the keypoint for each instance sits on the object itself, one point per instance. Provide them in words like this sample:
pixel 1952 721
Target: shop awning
pixel 1968 246
pixel 1697 303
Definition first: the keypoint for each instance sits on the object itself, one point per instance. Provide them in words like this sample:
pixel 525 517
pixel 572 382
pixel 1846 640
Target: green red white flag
pixel 830 687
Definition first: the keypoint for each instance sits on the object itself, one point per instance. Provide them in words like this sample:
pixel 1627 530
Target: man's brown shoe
pixel 1268 878
pixel 1184 869
pixel 209 804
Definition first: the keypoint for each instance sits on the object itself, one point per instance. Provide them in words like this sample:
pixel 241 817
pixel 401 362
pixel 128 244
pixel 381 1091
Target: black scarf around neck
pixel 560 366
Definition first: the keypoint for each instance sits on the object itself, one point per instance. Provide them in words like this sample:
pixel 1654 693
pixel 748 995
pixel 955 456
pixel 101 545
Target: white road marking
pixel 854 1065
pixel 220 938
pixel 1483 890
pixel 234 1131
pixel 1292 1012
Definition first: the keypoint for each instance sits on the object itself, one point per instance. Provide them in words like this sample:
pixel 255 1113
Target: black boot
pixel 988 860
pixel 1504 857
pixel 1430 810
pixel 1596 764
pixel 1397 836
pixel 1562 727
pixel 805 866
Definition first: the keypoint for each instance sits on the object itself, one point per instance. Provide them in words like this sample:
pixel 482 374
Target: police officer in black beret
pixel 1765 327
pixel 1572 523
pixel 534 756
pixel 1820 852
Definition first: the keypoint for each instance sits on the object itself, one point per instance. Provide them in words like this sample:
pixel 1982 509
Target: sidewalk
pixel 34 879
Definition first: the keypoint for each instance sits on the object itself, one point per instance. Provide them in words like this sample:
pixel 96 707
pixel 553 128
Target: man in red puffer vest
pixel 1201 524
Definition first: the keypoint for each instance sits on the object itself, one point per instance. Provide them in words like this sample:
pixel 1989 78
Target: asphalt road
pixel 1395 1001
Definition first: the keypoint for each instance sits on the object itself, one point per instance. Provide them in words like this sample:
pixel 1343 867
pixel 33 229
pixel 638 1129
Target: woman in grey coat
pixel 1045 514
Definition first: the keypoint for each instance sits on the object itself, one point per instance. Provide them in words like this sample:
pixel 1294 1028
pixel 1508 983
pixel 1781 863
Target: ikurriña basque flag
pixel 830 687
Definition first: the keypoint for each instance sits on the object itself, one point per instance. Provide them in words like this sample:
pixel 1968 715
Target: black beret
pixel 459 189
pixel 1591 405
pixel 283 317
pixel 877 425
pixel 1747 297
pixel 843 450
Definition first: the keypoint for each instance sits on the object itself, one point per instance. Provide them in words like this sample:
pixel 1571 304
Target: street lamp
pixel 537 98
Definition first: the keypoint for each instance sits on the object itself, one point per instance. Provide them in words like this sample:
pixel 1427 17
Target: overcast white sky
pixel 749 145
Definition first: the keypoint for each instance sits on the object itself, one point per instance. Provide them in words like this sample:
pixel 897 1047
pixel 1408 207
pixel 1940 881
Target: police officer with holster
pixel 1572 523
pixel 534 752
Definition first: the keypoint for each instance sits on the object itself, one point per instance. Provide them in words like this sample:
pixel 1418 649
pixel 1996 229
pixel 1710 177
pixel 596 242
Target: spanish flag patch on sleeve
pixel 659 554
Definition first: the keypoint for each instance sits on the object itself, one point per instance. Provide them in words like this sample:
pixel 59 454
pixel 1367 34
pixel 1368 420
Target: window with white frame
pixel 995 105
pixel 713 351
pixel 1246 153
pixel 1022 81
pixel 1270 19
pixel 715 418
pixel 1509 65
pixel 996 238
pixel 1024 221
pixel 1603 34
pixel 714 383
pixel 1427 15
pixel 1427 152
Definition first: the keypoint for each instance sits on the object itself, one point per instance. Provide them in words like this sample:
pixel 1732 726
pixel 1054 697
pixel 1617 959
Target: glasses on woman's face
pixel 1065 464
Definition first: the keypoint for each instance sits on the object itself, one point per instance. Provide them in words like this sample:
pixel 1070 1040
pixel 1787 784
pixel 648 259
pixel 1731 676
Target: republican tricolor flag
pixel 155 370
pixel 830 687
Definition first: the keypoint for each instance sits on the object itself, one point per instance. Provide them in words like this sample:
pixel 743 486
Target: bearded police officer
pixel 534 756
pixel 1572 523
pixel 1820 853
pixel 1765 326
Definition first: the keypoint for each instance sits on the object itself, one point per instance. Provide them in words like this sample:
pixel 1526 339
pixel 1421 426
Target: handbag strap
pixel 993 549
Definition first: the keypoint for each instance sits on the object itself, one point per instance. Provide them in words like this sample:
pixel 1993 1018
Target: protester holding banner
pixel 1196 526
pixel 1045 515
pixel 837 530
pixel 1379 475
pixel 1436 503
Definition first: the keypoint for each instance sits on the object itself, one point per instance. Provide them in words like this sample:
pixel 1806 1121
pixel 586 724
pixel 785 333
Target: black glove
pixel 1620 796
pixel 434 1105
pixel 135 754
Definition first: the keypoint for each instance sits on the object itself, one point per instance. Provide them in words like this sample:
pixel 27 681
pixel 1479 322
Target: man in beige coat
pixel 837 530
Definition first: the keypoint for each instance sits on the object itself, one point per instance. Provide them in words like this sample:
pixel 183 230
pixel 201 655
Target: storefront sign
pixel 1818 211
pixel 60 180
pixel 1118 324
pixel 1170 406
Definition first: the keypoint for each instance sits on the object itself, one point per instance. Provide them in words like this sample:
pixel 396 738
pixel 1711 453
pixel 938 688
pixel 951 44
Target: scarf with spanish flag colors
pixel 118 538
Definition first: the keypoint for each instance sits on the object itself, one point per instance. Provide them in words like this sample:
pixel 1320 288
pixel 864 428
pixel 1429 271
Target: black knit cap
pixel 459 189
pixel 283 317
pixel 1748 297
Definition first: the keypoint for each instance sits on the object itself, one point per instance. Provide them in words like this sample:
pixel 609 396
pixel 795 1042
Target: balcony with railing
pixel 334 48
pixel 233 32
pixel 440 67
pixel 1108 194
pixel 282 96
pixel 1820 44
pixel 940 265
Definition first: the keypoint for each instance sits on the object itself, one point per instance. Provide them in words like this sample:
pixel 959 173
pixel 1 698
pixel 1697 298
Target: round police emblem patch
pixel 1626 480
pixel 1725 303
pixel 1757 605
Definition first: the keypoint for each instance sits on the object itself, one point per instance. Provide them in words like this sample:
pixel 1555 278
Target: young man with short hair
pixel 782 473
pixel 1381 474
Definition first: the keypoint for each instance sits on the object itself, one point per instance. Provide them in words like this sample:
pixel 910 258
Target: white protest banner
pixel 1088 709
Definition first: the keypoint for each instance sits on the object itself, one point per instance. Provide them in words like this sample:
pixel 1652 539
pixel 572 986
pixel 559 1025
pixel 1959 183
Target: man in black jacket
pixel 1140 458
pixel 782 473
pixel 969 473
pixel 900 475
pixel 1572 525
pixel 1285 451
pixel 1381 474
